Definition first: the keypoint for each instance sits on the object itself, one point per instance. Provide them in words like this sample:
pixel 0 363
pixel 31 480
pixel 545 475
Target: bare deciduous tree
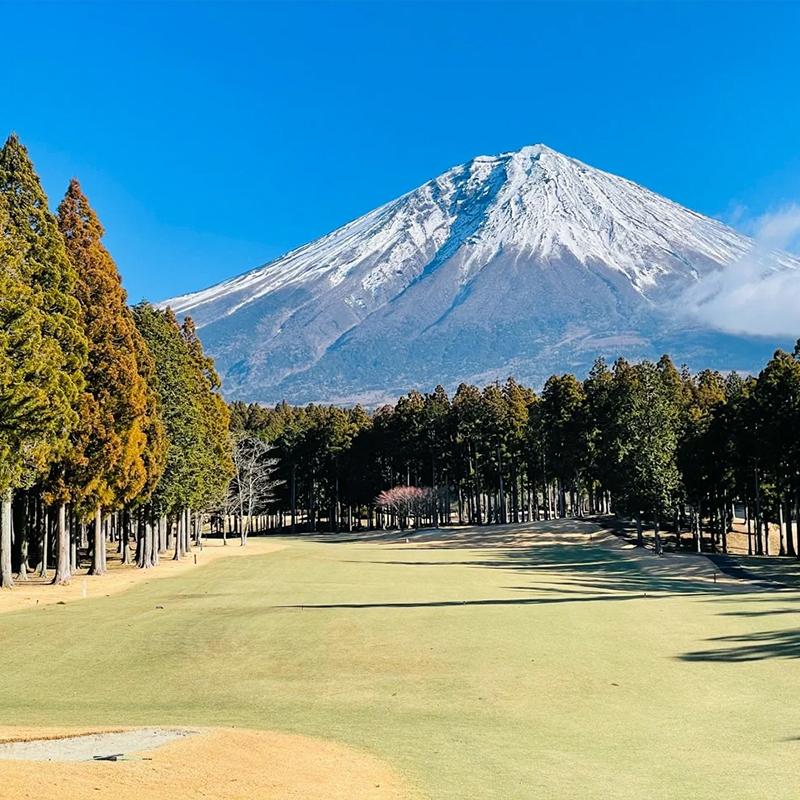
pixel 253 483
pixel 406 501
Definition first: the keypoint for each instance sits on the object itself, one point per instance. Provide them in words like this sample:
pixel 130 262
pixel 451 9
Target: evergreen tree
pixel 104 467
pixel 601 457
pixel 565 433
pixel 695 455
pixel 496 431
pixel 214 460
pixel 467 428
pixel 650 446
pixel 518 400
pixel 154 456
pixel 777 401
pixel 42 344
pixel 175 383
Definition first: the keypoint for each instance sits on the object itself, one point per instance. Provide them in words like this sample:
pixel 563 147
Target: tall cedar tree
pixel 176 388
pixel 104 468
pixel 155 454
pixel 42 345
pixel 215 456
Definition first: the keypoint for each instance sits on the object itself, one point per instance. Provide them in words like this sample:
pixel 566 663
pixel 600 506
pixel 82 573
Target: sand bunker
pixel 224 764
pixel 90 746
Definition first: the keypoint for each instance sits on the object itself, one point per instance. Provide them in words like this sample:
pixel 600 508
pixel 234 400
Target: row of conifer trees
pixel 646 440
pixel 112 427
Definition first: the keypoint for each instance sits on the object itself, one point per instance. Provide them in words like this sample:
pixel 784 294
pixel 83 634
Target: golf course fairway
pixel 511 662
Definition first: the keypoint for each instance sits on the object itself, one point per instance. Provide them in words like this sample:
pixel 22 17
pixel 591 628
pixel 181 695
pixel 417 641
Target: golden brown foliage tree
pixel 104 468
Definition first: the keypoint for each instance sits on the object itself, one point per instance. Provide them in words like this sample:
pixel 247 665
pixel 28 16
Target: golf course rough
pixel 511 662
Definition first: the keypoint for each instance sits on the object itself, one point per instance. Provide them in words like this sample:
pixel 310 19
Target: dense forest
pixel 645 440
pixel 113 430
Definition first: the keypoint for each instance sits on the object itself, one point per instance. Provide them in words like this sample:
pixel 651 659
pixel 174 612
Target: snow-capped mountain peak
pixel 590 250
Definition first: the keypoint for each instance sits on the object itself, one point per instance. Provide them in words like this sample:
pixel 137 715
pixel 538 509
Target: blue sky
pixel 214 137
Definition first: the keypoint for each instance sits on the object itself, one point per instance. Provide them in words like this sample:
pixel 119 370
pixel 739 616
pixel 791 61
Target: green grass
pixel 482 672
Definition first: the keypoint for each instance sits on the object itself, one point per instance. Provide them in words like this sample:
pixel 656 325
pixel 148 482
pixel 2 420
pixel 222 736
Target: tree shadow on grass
pixel 520 601
pixel 768 613
pixel 750 647
pixel 773 572
pixel 575 554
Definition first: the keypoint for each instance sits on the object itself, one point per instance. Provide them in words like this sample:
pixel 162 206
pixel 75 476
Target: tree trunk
pixel 178 534
pixel 699 540
pixel 73 540
pixel 677 523
pixel 759 548
pixel 6 541
pixel 435 492
pixel 45 544
pixel 515 491
pixel 124 536
pixel 724 530
pixel 140 539
pixel 639 533
pixel 473 466
pixel 749 528
pixel 147 550
pixel 63 572
pixel 502 519
pixel 311 525
pixel 788 519
pixel 155 539
pixel 108 534
pixel 294 497
pixel 98 550
pixel 187 533
pixel 530 498
pixel 797 521
pixel 20 511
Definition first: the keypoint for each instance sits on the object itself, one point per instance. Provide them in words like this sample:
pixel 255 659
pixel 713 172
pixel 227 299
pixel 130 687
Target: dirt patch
pixel 224 764
pixel 36 592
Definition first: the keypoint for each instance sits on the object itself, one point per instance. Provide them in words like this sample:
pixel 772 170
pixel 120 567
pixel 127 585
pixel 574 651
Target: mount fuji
pixel 525 264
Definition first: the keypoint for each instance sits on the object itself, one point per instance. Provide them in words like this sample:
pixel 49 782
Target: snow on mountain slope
pixel 526 262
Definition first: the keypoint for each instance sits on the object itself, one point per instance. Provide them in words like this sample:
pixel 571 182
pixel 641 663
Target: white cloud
pixel 755 295
pixel 779 230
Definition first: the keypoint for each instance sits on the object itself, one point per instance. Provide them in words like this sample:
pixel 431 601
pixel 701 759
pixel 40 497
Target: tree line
pixel 648 441
pixel 112 426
